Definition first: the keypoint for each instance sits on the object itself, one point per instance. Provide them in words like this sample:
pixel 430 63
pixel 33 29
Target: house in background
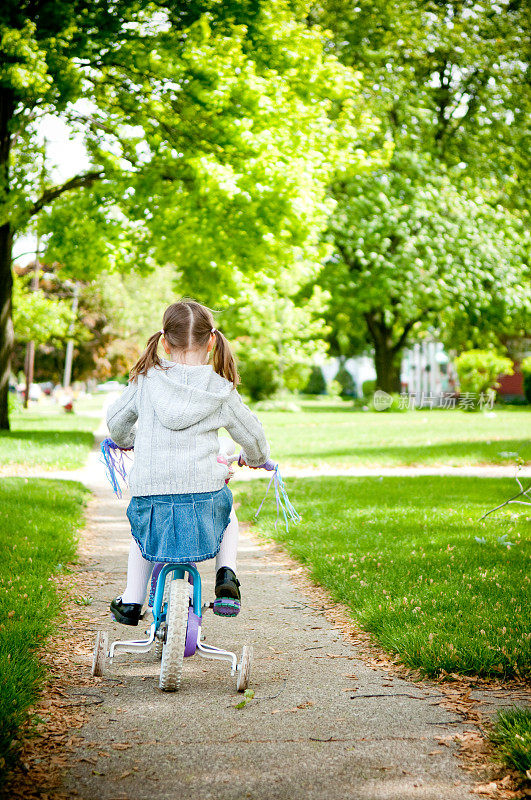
pixel 512 386
pixel 426 371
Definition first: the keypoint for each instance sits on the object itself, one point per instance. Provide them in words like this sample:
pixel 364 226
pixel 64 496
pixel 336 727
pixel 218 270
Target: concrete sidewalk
pixel 322 723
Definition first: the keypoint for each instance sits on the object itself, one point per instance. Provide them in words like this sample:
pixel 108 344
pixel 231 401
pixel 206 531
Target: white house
pixel 426 371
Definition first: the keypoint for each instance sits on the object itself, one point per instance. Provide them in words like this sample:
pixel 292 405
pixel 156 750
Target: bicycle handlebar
pixel 268 465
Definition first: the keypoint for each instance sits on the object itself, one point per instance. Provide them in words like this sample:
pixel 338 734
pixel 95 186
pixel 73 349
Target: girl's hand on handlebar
pixel 268 465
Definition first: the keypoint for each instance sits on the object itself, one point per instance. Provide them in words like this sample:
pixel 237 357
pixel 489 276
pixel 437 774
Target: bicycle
pixel 178 607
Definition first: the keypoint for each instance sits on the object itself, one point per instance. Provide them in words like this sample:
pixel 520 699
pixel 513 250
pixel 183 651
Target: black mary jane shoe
pixel 227 602
pixel 126 613
pixel 227 584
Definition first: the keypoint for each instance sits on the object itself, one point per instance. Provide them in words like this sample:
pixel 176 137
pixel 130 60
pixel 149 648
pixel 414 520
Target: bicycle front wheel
pixel 171 666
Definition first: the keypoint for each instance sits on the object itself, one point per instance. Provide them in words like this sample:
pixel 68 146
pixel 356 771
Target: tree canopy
pixel 212 131
pixel 256 147
pixel 448 78
pixel 414 252
pixel 437 238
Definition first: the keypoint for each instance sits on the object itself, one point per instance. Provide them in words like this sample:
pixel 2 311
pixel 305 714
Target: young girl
pixel 180 510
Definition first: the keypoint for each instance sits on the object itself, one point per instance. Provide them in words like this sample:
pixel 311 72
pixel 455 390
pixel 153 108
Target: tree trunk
pixel 29 363
pixel 6 244
pixel 387 352
pixel 387 362
pixel 6 324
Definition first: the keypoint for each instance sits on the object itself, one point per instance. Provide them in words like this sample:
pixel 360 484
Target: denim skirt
pixel 177 528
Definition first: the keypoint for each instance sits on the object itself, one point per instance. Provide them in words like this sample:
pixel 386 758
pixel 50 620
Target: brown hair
pixel 187 325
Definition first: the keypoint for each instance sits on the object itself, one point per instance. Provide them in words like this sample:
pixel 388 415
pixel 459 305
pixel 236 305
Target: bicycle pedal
pixel 226 607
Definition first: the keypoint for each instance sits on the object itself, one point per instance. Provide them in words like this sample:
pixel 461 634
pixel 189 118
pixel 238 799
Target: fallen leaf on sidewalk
pixel 490 789
pixel 119 746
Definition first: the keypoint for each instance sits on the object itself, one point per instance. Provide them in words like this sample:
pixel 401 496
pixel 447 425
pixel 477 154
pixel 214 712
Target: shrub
pixel 478 370
pixel 368 388
pixel 260 378
pixel 346 382
pixel 296 376
pixel 526 372
pixel 334 389
pixel 316 382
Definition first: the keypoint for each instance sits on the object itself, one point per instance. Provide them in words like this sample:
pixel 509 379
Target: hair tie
pixel 162 331
pixel 213 330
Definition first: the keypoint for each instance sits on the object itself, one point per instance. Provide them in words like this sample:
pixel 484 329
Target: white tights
pixel 139 569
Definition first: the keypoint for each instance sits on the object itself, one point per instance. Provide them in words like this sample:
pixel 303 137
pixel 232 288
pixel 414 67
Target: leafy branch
pixel 77 182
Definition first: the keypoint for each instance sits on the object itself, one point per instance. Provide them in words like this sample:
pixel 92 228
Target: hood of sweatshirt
pixel 183 395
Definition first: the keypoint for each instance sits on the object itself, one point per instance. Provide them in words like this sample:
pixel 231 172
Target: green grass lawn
pixel 46 437
pixel 334 434
pixel 38 523
pixel 401 553
pixel 511 736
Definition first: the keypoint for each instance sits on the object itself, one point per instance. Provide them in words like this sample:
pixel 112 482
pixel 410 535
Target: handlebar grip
pixel 113 446
pixel 269 465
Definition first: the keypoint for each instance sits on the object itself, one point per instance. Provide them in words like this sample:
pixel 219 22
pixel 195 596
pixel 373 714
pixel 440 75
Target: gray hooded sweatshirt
pixel 179 410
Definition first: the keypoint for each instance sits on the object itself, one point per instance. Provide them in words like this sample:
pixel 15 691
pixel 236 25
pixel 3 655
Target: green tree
pixel 38 318
pixel 42 46
pixel 212 130
pixel 413 252
pixel 448 83
pixel 316 381
pixel 526 372
pixel 346 382
pixel 116 316
pixel 240 133
pixel 275 335
pixel 447 78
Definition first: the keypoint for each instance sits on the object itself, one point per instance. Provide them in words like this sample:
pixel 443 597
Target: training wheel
pixel 244 668
pixel 100 653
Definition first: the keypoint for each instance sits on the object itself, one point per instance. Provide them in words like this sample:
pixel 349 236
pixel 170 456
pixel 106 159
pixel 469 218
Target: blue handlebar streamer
pixel 283 502
pixel 112 457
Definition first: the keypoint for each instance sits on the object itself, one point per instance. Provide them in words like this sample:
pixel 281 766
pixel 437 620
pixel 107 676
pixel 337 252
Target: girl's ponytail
pixel 223 361
pixel 149 357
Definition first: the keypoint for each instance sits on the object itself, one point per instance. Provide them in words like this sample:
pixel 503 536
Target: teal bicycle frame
pixel 179 571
